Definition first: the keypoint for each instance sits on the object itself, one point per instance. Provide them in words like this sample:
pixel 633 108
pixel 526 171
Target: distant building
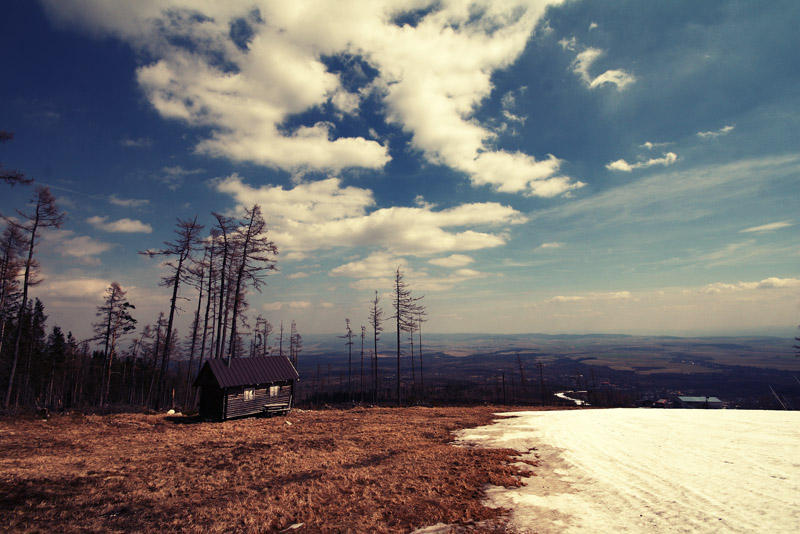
pixel 246 386
pixel 683 401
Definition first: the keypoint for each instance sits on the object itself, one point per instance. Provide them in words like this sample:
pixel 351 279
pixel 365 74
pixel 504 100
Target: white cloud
pixel 617 77
pixel 323 215
pixel 725 130
pixel 376 265
pixel 767 227
pixel 77 287
pixel 81 248
pixel 621 165
pixel 563 298
pixel 139 142
pixel 569 44
pixel 292 305
pixel 767 283
pixel 297 275
pixel 376 271
pixel 124 226
pixel 452 261
pixel 610 295
pixel 551 245
pixel 649 145
pixel 431 77
pixel 584 61
pixel 173 176
pixel 592 25
pixel 128 202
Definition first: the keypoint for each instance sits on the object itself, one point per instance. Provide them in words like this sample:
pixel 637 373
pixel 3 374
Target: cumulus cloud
pixel 452 261
pixel 725 130
pixel 297 275
pixel 584 61
pixel 81 248
pixel 247 86
pixel 375 271
pixel 128 202
pixel 649 145
pixel 767 283
pixel 569 44
pixel 78 287
pixel 376 265
pixel 767 227
pixel 563 298
pixel 292 305
pixel 554 244
pixel 610 295
pixel 621 165
pixel 124 225
pixel 323 215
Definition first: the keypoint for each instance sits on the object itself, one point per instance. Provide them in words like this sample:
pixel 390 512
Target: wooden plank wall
pixel 237 406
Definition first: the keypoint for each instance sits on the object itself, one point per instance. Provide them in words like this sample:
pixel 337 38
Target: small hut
pixel 246 386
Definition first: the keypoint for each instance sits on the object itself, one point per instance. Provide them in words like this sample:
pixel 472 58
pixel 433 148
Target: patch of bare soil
pixel 365 469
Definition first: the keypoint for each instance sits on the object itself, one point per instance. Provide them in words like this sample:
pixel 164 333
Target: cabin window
pixel 273 391
pixel 249 394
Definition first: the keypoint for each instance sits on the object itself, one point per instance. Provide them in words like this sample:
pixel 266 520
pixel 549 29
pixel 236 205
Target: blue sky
pixel 533 166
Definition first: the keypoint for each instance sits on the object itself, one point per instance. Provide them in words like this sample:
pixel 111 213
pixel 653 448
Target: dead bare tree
pixel 263 329
pixel 363 335
pixel 116 322
pixel 376 321
pixel 8 176
pixel 280 344
pixel 295 344
pixel 180 250
pixel 224 227
pixel 348 335
pixel 209 297
pixel 421 314
pixel 197 276
pixel 256 255
pixel 405 307
pixel 11 250
pixel 45 214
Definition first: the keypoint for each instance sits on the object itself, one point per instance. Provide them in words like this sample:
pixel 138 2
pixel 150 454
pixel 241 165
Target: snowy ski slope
pixel 649 470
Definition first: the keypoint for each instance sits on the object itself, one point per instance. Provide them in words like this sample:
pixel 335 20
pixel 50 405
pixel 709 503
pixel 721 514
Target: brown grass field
pixel 357 470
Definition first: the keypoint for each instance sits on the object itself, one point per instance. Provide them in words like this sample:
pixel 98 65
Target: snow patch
pixel 638 470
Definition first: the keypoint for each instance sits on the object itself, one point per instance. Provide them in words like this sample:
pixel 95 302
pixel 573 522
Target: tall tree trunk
pixel 239 275
pixel 222 275
pixel 194 339
pixel 397 316
pixel 419 352
pixel 106 362
pixel 209 298
pixel 156 375
pixel 25 281
pixel 168 335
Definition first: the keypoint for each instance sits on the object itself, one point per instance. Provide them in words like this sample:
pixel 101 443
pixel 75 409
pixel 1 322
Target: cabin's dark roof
pixel 250 371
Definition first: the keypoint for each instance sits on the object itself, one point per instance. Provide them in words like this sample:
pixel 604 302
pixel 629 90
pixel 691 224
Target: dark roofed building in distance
pixel 683 401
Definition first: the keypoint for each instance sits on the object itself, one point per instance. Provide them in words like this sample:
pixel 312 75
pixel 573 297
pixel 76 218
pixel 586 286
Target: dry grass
pixel 371 469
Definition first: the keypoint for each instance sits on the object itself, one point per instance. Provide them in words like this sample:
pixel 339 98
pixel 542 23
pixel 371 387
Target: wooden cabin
pixel 246 386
